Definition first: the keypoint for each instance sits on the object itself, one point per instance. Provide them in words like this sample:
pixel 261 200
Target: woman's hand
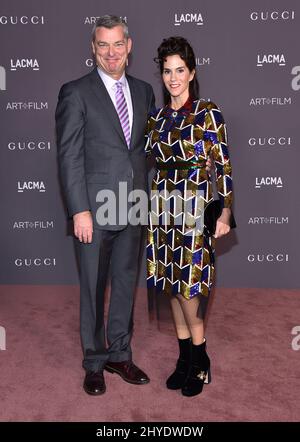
pixel 209 166
pixel 223 223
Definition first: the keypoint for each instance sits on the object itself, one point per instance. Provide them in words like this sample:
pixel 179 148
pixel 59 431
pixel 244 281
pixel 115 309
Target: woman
pixel 183 135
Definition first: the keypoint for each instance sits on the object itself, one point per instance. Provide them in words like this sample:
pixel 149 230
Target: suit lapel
pixel 101 93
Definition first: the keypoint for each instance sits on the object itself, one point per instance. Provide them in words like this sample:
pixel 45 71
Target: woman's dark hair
pixel 178 46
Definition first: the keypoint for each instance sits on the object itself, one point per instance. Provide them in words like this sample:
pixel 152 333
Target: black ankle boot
pixel 177 379
pixel 199 373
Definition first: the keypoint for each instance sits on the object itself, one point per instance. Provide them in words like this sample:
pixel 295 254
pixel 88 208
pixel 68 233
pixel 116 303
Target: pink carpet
pixel 255 371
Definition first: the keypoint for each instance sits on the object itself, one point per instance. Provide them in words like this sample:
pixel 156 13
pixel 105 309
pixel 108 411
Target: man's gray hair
pixel 109 22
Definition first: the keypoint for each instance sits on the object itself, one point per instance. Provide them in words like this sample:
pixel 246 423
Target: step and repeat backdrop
pixel 248 62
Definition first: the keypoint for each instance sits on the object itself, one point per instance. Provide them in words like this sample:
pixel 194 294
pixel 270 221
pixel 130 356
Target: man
pixel 100 121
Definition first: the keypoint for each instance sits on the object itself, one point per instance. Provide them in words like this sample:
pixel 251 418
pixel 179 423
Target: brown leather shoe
pixel 94 383
pixel 128 371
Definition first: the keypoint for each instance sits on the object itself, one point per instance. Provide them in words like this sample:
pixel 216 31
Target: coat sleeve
pixel 70 122
pixel 150 123
pixel 148 135
pixel 216 134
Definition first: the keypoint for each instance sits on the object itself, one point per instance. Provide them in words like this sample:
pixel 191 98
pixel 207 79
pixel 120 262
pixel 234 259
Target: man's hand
pixel 223 223
pixel 83 226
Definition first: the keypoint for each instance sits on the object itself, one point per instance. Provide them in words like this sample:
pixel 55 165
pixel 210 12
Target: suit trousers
pixel 114 253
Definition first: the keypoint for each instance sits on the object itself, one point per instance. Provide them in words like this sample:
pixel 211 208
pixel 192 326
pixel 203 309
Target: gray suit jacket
pixel 92 150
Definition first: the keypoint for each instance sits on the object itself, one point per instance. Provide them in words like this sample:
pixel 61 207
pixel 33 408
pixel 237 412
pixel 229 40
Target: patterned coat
pixel 180 255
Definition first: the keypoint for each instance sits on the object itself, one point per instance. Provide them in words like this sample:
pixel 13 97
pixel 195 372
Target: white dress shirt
pixel 110 84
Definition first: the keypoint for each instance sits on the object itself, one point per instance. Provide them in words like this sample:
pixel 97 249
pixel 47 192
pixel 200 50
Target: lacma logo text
pixel 195 18
pixel 263 59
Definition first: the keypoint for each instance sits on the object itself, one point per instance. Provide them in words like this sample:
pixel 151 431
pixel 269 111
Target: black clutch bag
pixel 212 212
